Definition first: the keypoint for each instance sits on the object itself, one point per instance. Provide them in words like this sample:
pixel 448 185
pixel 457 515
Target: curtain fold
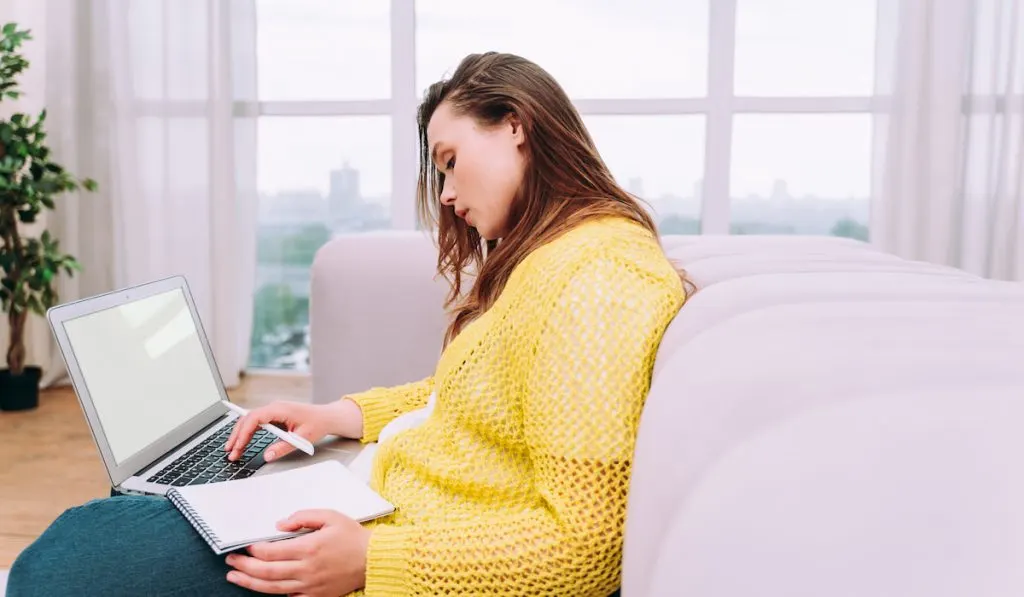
pixel 149 98
pixel 992 170
pixel 949 165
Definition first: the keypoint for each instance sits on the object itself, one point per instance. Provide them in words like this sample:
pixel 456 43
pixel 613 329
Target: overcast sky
pixel 334 49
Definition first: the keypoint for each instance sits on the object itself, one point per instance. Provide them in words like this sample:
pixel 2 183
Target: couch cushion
pixel 757 370
pixel 734 296
pixel 910 493
pixel 693 246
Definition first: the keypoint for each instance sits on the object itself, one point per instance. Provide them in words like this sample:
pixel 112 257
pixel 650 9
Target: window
pixel 657 158
pixel 317 176
pixel 800 160
pixel 817 185
pixel 742 116
pixel 323 50
pixel 643 49
pixel 805 48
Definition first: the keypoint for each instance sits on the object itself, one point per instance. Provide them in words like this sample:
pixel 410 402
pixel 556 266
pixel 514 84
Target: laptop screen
pixel 145 369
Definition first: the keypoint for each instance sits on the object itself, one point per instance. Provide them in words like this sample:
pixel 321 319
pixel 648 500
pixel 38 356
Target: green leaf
pixel 35 305
pixel 90 185
pixel 10 28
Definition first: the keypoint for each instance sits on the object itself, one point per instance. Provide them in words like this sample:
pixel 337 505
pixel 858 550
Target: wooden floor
pixel 49 462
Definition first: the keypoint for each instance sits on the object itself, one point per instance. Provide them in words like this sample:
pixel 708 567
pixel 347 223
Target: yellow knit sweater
pixel 517 482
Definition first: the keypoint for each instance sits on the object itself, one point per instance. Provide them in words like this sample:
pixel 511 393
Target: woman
pixel 517 482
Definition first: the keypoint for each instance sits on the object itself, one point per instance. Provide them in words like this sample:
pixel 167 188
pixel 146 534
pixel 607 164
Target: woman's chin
pixel 484 232
pixel 488 232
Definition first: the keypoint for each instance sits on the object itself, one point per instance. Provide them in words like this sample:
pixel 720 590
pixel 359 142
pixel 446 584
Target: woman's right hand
pixel 311 421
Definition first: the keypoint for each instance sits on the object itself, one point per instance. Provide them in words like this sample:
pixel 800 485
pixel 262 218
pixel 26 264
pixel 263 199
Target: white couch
pixel 824 419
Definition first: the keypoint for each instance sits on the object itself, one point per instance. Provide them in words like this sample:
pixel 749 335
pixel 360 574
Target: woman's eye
pixel 450 165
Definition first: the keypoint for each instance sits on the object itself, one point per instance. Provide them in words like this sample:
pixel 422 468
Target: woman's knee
pixel 127 545
pixel 63 560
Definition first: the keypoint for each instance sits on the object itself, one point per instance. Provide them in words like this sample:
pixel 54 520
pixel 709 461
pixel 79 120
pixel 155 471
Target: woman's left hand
pixel 330 561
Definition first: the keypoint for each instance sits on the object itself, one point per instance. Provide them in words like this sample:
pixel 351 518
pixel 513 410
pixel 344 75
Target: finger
pixel 244 428
pixel 282 448
pixel 231 438
pixel 247 425
pixel 310 519
pixel 277 450
pixel 266 570
pixel 273 587
pixel 296 548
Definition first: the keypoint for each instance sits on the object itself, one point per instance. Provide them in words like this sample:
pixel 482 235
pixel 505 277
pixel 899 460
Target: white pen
pixel 296 440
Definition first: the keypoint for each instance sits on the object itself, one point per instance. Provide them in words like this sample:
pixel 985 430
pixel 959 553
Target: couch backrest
pixel 376 312
pixel 827 419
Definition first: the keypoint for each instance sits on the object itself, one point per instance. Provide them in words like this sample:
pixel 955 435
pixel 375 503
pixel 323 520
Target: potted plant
pixel 29 182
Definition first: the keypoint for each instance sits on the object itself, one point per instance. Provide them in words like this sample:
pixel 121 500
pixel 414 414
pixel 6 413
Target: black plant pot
pixel 20 392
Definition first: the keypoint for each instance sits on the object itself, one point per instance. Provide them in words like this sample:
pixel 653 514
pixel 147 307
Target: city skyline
pixel 667 152
pixel 344 197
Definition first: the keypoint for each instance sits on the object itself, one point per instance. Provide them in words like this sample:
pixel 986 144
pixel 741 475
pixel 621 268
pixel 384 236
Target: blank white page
pixel 246 511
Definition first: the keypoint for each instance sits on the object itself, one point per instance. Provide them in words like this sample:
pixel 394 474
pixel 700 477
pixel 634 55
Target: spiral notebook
pixel 235 514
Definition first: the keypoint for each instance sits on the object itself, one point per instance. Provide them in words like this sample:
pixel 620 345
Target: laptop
pixel 149 387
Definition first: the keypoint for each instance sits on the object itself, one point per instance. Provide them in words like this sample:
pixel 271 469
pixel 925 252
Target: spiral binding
pixel 194 519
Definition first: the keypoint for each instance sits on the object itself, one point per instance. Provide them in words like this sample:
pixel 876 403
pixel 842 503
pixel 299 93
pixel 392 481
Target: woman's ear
pixel 518 134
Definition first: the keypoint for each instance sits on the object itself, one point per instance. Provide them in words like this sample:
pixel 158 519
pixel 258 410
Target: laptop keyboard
pixel 207 462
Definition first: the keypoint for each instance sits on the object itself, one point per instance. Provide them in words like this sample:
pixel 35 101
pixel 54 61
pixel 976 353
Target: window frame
pixel 718 107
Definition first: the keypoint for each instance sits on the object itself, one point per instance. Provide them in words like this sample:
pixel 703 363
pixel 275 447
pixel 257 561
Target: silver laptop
pixel 151 392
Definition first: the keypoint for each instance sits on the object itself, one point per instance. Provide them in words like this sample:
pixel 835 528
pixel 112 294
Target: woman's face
pixel 483 168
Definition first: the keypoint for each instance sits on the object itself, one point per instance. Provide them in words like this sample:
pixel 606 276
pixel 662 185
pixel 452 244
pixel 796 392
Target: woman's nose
pixel 448 193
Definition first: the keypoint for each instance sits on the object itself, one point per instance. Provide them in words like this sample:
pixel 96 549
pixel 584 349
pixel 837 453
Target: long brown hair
pixel 566 182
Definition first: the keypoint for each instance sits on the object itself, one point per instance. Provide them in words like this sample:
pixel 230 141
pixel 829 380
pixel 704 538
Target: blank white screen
pixel 145 369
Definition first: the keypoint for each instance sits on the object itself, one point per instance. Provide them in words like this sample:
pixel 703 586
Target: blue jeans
pixel 125 545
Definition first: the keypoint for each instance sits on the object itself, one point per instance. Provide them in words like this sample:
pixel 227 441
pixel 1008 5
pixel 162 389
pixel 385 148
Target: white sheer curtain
pixel 949 167
pixel 992 180
pixel 149 97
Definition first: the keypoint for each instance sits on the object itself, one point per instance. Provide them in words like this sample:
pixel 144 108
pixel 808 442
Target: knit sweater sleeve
pixel 380 406
pixel 583 392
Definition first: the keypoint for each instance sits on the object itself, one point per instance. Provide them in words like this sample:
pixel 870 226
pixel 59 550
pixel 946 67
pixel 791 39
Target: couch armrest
pixel 376 312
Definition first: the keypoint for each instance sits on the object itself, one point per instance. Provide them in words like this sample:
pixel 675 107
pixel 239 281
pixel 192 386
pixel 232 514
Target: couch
pixel 824 418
